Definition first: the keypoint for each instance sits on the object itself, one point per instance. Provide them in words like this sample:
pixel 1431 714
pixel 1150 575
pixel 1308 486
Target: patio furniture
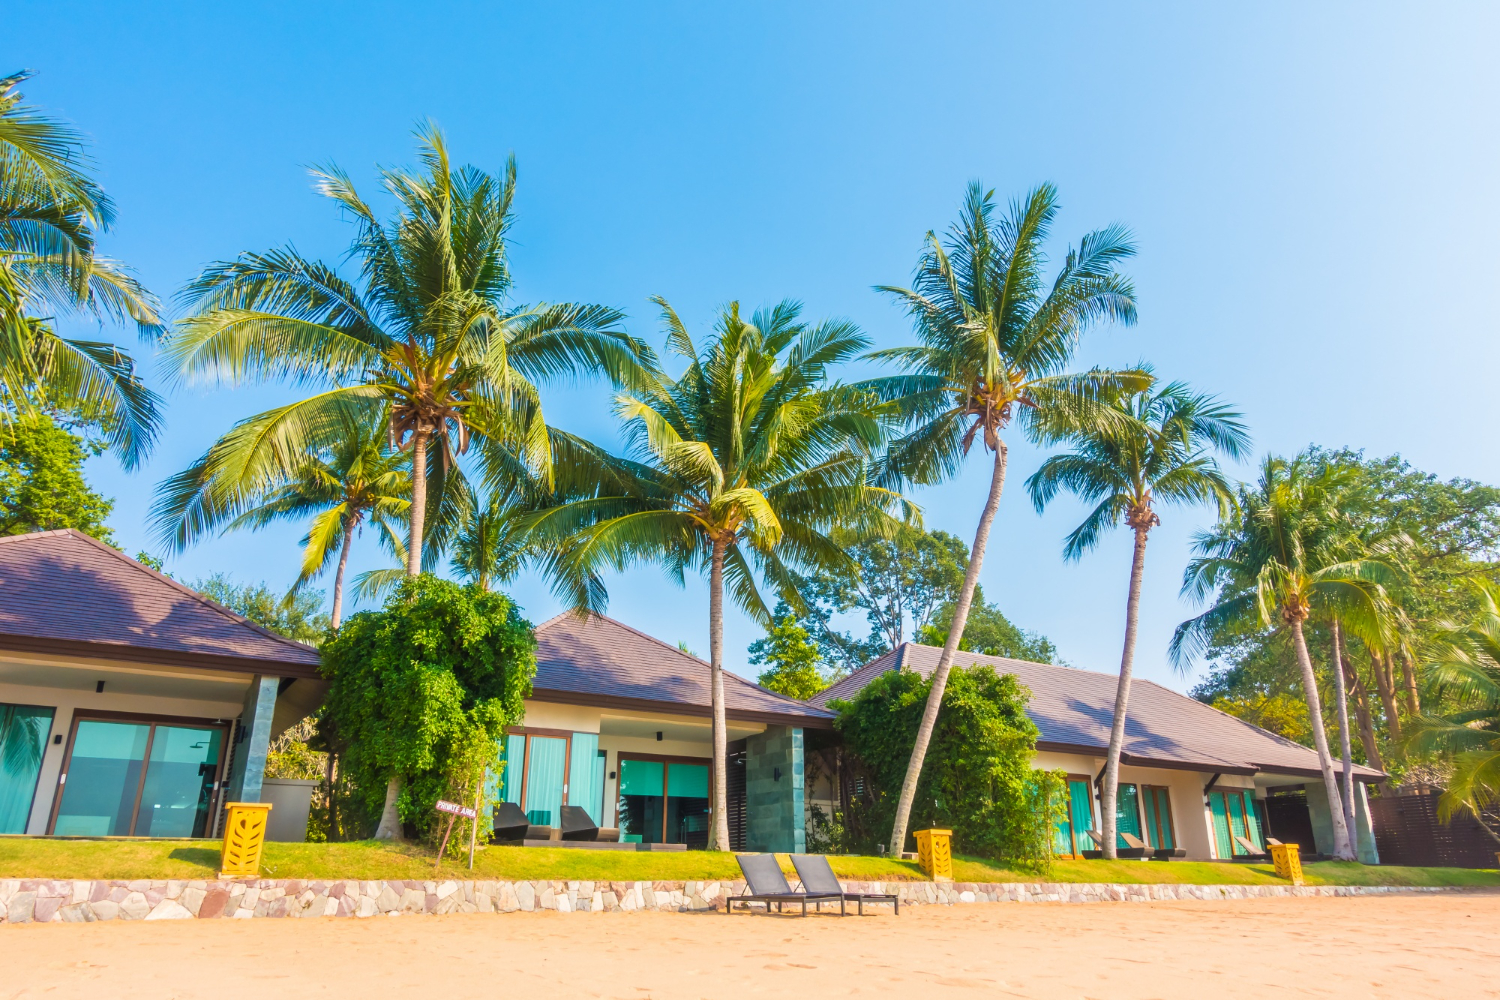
pixel 1134 853
pixel 576 824
pixel 1252 853
pixel 1168 853
pixel 817 876
pixel 511 823
pixel 766 884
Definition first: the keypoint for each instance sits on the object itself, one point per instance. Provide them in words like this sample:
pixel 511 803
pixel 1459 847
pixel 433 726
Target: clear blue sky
pixel 1313 188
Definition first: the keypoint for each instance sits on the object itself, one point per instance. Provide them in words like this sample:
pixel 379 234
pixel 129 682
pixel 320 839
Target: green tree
pixel 792 658
pixel 297 616
pixel 421 692
pixel 51 214
pixel 742 467
pixel 988 631
pixel 980 783
pixel 995 340
pixel 490 546
pixel 1280 555
pixel 425 332
pixel 1162 453
pixel 41 482
pixel 351 479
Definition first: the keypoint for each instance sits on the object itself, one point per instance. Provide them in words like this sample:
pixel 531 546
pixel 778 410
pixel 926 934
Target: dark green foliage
pixel 988 631
pixel 297 616
pixel 41 481
pixel 425 689
pixel 978 780
pixel 792 658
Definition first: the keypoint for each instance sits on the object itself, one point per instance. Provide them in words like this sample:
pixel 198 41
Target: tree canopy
pixel 42 487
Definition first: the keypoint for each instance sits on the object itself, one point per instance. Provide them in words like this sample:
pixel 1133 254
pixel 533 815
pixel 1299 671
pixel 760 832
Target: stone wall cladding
pixel 50 900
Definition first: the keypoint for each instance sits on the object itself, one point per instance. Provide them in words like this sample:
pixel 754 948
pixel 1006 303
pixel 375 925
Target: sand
pixel 1404 946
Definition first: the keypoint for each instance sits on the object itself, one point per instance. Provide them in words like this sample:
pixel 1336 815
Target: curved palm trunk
pixel 945 662
pixel 718 823
pixel 1409 678
pixel 390 819
pixel 1109 797
pixel 418 503
pixel 1341 849
pixel 1362 714
pixel 1384 685
pixel 338 578
pixel 1347 783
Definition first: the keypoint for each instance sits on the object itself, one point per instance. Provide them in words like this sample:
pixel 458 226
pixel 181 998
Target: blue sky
pixel 1313 189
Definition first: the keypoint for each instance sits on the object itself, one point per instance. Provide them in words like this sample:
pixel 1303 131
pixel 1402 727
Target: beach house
pixel 1194 782
pixel 130 705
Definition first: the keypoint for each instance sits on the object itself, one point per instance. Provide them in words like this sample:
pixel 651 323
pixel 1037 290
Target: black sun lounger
pixel 764 883
pixel 817 877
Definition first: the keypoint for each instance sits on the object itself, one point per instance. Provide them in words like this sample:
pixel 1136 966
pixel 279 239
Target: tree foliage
pixel 424 689
pixel 41 481
pixel 978 781
pixel 793 661
pixel 297 616
pixel 988 631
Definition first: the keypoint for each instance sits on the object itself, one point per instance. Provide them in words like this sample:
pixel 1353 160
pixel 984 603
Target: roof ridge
pixel 175 585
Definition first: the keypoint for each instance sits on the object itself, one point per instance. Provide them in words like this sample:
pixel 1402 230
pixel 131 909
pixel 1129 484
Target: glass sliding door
pixel 1073 834
pixel 664 800
pixel 1127 814
pixel 642 783
pixel 23 740
pixel 687 805
pixel 1156 803
pixel 546 766
pixel 136 777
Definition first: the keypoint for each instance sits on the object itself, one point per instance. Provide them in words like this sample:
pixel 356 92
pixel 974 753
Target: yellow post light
pixel 244 837
pixel 935 854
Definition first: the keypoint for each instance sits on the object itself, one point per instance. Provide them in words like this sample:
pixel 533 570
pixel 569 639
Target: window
pixel 23 739
pixel 1235 819
pixel 1071 838
pixel 1127 814
pixel 545 768
pixel 138 776
pixel 664 800
pixel 1156 803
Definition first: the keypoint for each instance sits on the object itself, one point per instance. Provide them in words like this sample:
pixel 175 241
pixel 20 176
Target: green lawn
pixel 186 859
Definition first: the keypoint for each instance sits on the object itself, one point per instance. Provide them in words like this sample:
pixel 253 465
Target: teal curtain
pixel 23 739
pixel 513 753
pixel 544 779
pixel 640 777
pixel 586 776
pixel 1062 837
pixel 688 780
pixel 1222 842
pixel 1148 806
pixel 1159 816
pixel 1236 820
pixel 1081 811
pixel 1127 814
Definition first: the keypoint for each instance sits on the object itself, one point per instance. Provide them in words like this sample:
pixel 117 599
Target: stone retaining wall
pixel 43 900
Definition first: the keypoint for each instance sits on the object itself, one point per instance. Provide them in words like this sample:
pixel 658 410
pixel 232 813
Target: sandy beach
pixel 1400 946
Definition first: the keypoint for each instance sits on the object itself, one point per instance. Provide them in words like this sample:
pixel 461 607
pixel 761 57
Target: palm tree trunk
pixel 418 502
pixel 1347 787
pixel 1110 795
pixel 1341 849
pixel 1387 696
pixel 338 578
pixel 945 662
pixel 390 819
pixel 719 812
pixel 1362 714
pixel 1409 676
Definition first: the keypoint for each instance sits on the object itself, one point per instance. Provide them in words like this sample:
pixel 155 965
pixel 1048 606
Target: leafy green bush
pixel 423 690
pixel 978 780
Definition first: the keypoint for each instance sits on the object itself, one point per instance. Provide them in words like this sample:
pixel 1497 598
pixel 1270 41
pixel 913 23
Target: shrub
pixel 978 780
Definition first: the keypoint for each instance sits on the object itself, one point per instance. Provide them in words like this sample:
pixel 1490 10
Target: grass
pixel 22 857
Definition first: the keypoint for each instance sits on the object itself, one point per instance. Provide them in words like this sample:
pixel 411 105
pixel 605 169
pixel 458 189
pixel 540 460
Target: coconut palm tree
pixel 996 340
pixel 425 331
pixel 1282 556
pixel 354 478
pixel 739 467
pixel 1160 453
pixel 51 213
pixel 489 546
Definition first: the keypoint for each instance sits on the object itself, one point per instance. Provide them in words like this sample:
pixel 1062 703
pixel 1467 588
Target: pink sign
pixel 444 806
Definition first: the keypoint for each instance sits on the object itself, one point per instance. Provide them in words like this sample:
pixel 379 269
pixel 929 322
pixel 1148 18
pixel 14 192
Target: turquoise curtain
pixel 1081 811
pixel 1127 814
pixel 23 739
pixel 1222 842
pixel 688 780
pixel 513 752
pixel 1148 806
pixel 640 777
pixel 586 776
pixel 544 779
pixel 1236 820
pixel 1159 816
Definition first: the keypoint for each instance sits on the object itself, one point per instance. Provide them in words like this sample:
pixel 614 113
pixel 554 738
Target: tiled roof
pixel 63 592
pixel 599 661
pixel 1073 710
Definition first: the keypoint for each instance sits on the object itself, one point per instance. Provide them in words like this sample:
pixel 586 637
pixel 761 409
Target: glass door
pixel 1127 814
pixel 687 805
pixel 138 778
pixel 23 740
pixel 641 786
pixel 664 801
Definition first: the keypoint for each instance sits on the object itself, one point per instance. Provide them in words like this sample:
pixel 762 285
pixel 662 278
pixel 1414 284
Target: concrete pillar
pixel 1365 848
pixel 254 735
pixel 1322 818
pixel 774 791
pixel 1322 822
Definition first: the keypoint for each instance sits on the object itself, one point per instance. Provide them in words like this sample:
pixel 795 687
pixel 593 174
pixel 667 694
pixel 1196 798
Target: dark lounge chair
pixel 1135 852
pixel 764 883
pixel 576 824
pixel 817 877
pixel 1252 853
pixel 511 823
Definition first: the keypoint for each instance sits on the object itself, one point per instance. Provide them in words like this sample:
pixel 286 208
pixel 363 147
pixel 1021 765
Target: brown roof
pixel 1073 710
pixel 63 592
pixel 599 661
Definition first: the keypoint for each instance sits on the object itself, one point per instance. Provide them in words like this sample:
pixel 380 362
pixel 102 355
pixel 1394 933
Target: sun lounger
pixel 1132 853
pixel 1252 853
pixel 817 877
pixel 764 883
pixel 511 823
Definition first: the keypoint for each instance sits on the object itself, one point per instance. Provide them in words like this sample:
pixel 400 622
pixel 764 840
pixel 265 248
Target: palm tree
pixel 489 546
pixel 425 331
pixel 995 342
pixel 51 212
pixel 1280 556
pixel 741 466
pixel 354 478
pixel 1159 453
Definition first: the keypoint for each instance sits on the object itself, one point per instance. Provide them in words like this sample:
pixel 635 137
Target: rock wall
pixel 44 900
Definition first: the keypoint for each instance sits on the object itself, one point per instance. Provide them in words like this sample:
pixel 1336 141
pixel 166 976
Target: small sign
pixel 444 806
